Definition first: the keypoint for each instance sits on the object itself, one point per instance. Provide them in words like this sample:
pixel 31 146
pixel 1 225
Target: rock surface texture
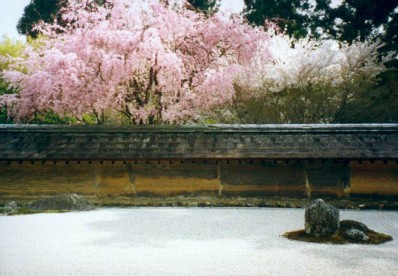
pixel 354 230
pixel 321 219
pixel 356 234
pixel 353 224
pixel 11 208
pixel 72 202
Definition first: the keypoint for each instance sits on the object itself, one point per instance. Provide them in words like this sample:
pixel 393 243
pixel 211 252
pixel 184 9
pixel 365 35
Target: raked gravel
pixel 186 241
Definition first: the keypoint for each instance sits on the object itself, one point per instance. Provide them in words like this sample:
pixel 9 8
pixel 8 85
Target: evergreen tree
pixel 285 14
pixel 36 11
pixel 46 11
pixel 353 20
pixel 205 6
pixel 356 19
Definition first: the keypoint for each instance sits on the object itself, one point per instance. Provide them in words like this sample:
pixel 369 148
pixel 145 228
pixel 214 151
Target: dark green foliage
pixel 360 18
pixel 3 116
pixel 391 35
pixel 307 104
pixel 50 117
pixel 36 11
pixel 255 107
pixel 283 13
pixel 206 6
pixel 40 118
pixel 43 10
pixel 4 89
pixel 376 105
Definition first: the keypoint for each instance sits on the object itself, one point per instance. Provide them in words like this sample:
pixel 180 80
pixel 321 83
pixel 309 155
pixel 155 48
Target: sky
pixel 12 10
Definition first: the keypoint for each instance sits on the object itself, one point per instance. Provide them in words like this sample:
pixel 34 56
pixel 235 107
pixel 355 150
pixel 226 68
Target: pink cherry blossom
pixel 153 63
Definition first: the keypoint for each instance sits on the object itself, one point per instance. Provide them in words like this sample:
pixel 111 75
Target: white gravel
pixel 186 241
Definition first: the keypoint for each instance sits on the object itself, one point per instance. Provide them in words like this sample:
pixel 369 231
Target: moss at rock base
pixel 72 202
pixel 339 238
pixel 26 211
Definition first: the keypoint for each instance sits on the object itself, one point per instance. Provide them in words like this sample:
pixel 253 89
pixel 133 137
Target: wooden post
pixel 131 177
pixel 346 179
pixel 220 187
pixel 97 176
pixel 307 182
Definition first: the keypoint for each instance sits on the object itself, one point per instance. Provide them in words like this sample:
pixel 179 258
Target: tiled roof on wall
pixel 170 142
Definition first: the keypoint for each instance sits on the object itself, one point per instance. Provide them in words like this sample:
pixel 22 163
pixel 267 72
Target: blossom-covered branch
pixel 148 61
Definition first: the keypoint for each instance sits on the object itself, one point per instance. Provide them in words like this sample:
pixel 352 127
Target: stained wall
pixel 203 177
pixel 374 178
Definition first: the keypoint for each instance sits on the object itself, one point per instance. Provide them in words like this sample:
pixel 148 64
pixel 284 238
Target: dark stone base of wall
pixel 225 201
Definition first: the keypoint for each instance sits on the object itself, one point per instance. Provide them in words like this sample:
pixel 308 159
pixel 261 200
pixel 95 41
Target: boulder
pixel 71 202
pixel 356 235
pixel 11 208
pixel 353 224
pixel 321 219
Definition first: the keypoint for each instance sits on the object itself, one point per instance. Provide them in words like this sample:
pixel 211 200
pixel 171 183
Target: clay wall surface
pixel 168 178
pixel 374 178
